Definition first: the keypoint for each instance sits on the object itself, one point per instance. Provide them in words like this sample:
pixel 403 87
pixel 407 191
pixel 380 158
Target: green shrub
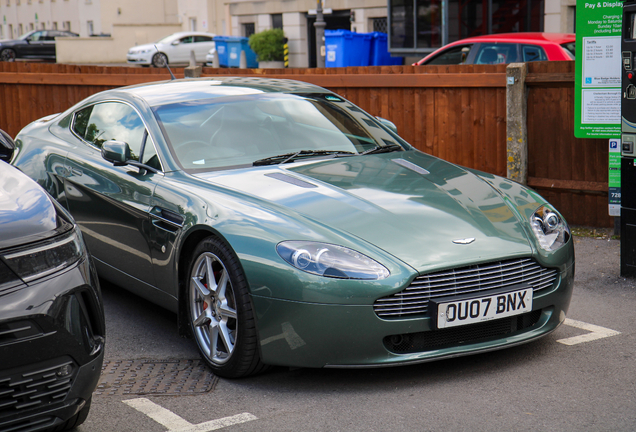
pixel 268 45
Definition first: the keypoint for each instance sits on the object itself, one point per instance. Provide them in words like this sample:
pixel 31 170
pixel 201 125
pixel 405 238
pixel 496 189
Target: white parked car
pixel 172 49
pixel 209 58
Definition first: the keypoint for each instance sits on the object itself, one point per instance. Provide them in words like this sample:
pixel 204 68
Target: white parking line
pixel 174 423
pixel 597 332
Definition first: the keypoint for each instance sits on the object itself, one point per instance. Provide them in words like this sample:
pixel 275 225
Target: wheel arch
pixel 185 255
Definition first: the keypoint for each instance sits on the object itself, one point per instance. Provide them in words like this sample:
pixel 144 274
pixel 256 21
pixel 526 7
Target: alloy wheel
pixel 213 308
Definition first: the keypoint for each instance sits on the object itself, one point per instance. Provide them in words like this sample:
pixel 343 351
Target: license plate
pixel 476 310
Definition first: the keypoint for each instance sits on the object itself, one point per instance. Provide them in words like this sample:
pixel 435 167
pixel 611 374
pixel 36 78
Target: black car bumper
pixel 51 349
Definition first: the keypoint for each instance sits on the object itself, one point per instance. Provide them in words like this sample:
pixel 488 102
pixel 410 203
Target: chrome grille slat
pixel 466 280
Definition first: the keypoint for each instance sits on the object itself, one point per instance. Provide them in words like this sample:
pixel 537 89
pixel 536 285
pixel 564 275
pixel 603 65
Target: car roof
pixel 190 33
pixel 529 37
pixel 183 90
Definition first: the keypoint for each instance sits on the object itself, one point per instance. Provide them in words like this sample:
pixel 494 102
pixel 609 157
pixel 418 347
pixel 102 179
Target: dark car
pixel 51 313
pixel 39 44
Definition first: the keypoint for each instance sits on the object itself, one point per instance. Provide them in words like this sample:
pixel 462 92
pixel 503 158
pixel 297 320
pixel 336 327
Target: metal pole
pixel 320 36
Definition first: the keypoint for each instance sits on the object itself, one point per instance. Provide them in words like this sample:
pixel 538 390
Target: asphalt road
pixel 542 386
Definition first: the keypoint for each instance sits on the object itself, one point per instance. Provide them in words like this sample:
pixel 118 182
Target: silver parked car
pixel 173 49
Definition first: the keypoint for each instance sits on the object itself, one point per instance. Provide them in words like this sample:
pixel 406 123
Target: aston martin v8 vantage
pixel 286 226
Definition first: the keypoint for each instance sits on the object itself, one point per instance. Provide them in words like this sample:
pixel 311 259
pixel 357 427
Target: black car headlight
pixel 41 259
pixel 549 228
pixel 329 260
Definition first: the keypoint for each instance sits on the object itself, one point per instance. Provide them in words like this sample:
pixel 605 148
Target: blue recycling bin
pixel 220 43
pixel 229 48
pixel 346 48
pixel 380 51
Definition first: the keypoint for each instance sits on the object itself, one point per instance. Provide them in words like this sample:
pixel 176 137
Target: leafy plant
pixel 268 45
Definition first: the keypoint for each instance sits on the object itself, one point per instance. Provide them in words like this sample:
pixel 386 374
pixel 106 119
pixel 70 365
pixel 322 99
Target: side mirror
pixel 116 152
pixel 7 146
pixel 175 43
pixel 387 123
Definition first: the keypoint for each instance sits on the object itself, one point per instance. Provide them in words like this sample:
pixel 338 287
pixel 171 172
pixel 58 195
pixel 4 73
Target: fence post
pixel 516 122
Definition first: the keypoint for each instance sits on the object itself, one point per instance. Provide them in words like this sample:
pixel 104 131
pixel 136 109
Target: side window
pixel 490 53
pixel 36 36
pixel 150 157
pixel 202 39
pixel 186 40
pixel 532 53
pixel 452 56
pixel 110 121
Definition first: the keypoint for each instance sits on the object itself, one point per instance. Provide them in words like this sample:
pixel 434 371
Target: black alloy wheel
pixel 7 55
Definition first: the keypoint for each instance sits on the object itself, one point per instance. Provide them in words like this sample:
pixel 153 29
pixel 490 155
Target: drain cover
pixel 164 377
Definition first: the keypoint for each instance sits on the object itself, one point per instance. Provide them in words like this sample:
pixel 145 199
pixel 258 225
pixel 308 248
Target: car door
pixel 455 55
pixel 33 46
pixel 110 203
pixel 180 53
pixel 202 45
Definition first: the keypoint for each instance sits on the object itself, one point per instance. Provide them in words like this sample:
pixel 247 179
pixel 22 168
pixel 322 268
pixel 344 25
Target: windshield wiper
pixel 290 157
pixel 383 149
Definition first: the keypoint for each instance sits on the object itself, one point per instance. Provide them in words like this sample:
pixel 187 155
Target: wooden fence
pixel 454 112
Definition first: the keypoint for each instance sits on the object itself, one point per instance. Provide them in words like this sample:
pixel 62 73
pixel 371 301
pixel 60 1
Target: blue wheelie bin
pixel 221 50
pixel 380 51
pixel 235 45
pixel 346 48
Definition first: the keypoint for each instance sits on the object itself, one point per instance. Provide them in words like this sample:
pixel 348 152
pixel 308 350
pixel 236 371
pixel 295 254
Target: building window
pixel 67 25
pixel 380 25
pixel 193 24
pixel 10 31
pixel 1 31
pixel 420 26
pixel 55 25
pixel 20 30
pixel 248 29
pixel 89 27
pixel 31 27
pixel 277 21
pixel 43 26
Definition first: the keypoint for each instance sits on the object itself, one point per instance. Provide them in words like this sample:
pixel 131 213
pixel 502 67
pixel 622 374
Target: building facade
pixel 414 26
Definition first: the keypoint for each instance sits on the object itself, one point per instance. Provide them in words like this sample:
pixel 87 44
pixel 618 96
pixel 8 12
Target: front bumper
pixel 322 335
pixel 139 58
pixel 51 349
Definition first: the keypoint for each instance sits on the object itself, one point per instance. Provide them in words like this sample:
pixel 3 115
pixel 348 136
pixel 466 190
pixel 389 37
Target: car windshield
pixel 165 40
pixel 261 129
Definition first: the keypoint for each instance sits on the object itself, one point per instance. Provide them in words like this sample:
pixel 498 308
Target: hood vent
pixel 292 180
pixel 410 165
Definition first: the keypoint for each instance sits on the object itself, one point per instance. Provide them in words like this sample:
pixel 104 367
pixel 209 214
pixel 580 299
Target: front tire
pixel 7 55
pixel 220 312
pixel 159 60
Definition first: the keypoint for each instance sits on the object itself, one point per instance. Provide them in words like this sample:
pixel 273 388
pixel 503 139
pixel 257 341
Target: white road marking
pixel 596 332
pixel 174 423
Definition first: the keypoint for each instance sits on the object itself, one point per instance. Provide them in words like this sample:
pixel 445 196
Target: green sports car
pixel 286 226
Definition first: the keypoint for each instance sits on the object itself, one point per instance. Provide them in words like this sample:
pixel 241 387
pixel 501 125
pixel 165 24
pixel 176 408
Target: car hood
pixel 144 47
pixel 26 211
pixel 420 209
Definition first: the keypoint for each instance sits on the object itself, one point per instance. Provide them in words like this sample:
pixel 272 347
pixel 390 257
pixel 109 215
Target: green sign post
pixel 597 82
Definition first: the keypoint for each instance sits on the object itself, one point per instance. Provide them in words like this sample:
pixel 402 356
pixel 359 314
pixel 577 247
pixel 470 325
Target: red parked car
pixel 504 48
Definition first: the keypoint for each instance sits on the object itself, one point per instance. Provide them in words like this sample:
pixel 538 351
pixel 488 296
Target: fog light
pixel 64 371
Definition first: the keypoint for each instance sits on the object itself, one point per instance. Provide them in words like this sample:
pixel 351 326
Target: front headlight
pixel 329 260
pixel 550 229
pixel 44 258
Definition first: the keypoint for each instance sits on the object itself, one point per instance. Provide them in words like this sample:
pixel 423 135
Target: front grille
pixel 479 278
pixel 37 385
pixel 438 339
pixel 14 331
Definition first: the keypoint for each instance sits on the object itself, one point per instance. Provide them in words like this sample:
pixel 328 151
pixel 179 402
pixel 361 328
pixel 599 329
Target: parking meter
pixel 628 140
